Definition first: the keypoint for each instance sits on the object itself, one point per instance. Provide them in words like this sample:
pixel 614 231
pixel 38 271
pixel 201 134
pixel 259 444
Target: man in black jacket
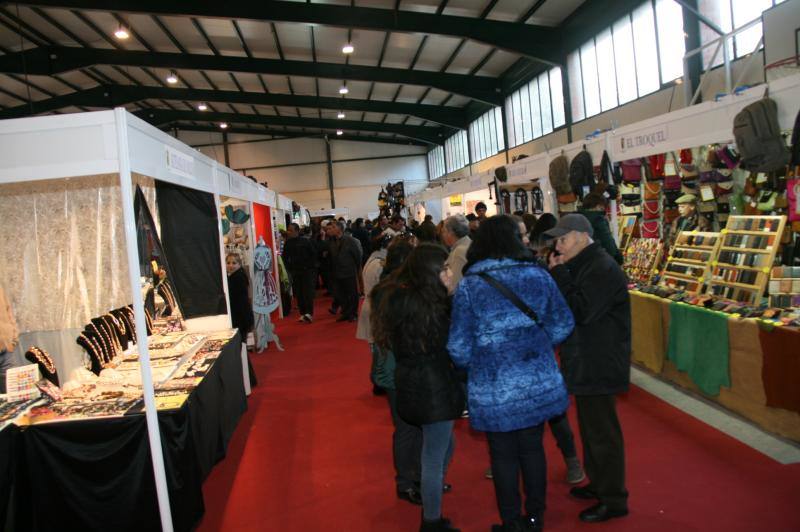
pixel 300 258
pixel 595 359
pixel 345 267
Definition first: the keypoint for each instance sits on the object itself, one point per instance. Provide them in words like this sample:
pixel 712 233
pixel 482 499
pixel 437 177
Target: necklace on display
pixel 117 323
pixel 113 333
pixel 92 348
pixel 43 358
pixel 106 343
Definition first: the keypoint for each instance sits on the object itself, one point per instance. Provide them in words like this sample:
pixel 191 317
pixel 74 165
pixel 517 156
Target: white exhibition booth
pixel 115 149
pixel 705 123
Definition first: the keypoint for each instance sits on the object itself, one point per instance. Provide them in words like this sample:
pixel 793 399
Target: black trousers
pixel 346 295
pixel 406 448
pixel 304 285
pixel 603 448
pixel 562 432
pixel 512 452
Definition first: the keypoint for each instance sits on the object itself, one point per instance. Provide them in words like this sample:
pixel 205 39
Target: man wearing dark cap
pixel 595 359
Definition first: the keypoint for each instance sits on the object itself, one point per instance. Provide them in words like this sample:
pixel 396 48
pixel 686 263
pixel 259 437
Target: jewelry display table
pixel 96 474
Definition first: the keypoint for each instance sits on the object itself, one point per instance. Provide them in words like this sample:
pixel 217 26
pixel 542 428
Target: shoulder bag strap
pixel 511 296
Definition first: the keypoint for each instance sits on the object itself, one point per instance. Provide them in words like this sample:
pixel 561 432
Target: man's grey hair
pixel 340 225
pixel 457 224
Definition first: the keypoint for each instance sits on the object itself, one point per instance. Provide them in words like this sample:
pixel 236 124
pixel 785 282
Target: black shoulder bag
pixel 511 296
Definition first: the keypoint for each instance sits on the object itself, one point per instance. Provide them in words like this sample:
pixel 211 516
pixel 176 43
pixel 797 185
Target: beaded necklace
pixel 43 358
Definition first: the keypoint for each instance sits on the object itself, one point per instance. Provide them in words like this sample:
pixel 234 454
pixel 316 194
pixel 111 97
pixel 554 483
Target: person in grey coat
pixel 455 235
pixel 345 266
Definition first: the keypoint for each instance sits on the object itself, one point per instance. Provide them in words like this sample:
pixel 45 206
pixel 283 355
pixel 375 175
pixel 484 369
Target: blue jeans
pixel 437 450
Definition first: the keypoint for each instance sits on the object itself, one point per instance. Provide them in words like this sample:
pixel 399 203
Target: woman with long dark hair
pixel 508 314
pixel 406 438
pixel 411 317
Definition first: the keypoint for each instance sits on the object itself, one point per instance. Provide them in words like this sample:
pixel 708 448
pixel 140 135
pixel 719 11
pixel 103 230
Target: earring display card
pixel 690 260
pixel 746 256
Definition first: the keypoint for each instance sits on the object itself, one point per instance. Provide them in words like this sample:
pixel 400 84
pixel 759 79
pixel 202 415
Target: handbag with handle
pixel 652 191
pixel 651 210
pixel 793 193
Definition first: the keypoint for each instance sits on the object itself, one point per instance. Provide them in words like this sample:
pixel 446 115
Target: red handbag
pixel 650 229
pixel 651 210
pixel 631 170
pixel 657 163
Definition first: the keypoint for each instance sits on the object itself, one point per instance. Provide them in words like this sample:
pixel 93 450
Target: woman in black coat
pixel 239 296
pixel 412 318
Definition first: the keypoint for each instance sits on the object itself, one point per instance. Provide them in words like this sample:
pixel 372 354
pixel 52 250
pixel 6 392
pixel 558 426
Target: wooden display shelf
pixel 737 267
pixel 685 261
pixel 748 232
pixel 695 248
pixel 765 251
pixel 678 275
pixel 752 291
pixel 710 251
pixel 737 285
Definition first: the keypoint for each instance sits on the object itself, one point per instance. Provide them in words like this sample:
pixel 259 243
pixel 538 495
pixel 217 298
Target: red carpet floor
pixel 313 453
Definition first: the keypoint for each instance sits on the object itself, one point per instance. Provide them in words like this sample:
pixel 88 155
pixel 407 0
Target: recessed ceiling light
pixel 202 107
pixel 348 49
pixel 122 33
pixel 340 115
pixel 339 132
pixel 343 89
pixel 223 125
pixel 172 79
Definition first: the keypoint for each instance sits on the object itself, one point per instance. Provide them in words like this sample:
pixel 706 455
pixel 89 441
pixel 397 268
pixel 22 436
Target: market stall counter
pixel 95 473
pixel 746 365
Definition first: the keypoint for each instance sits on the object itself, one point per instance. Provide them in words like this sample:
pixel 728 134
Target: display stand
pixel 784 287
pixel 641 259
pixel 743 264
pixel 689 261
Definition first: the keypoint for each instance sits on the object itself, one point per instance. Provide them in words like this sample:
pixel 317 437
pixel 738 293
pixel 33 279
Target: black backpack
pixel 758 137
pixel 581 174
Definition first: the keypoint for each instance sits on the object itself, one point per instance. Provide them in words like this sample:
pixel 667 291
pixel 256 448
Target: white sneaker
pixel 307 318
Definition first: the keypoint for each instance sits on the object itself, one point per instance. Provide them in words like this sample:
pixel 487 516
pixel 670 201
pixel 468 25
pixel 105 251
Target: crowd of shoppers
pixel 488 307
pixel 503 317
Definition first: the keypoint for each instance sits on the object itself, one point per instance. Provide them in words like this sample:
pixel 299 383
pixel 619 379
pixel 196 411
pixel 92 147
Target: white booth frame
pixel 117 142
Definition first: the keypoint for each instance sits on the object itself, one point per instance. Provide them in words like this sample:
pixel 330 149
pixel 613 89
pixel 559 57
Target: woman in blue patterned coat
pixel 514 384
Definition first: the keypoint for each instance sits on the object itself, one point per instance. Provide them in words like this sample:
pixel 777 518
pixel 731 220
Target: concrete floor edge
pixel 779 450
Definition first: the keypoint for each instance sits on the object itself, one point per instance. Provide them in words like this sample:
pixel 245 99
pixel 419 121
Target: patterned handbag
pixel 631 170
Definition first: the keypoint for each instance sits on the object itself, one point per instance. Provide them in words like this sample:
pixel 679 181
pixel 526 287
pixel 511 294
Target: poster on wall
pixel 236 231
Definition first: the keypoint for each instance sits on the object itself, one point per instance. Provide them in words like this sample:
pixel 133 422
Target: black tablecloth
pixel 7 437
pixel 98 474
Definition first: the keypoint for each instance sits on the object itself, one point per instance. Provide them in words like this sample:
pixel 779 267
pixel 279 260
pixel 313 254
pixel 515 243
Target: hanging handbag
pixel 632 170
pixel 656 164
pixel 672 182
pixel 707 206
pixel 652 191
pixel 650 229
pixel 651 210
pixel 630 209
pixel 521 200
pixel 766 201
pixel 750 188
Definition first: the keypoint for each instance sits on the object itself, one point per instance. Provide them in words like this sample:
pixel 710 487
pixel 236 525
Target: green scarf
pixel 698 344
